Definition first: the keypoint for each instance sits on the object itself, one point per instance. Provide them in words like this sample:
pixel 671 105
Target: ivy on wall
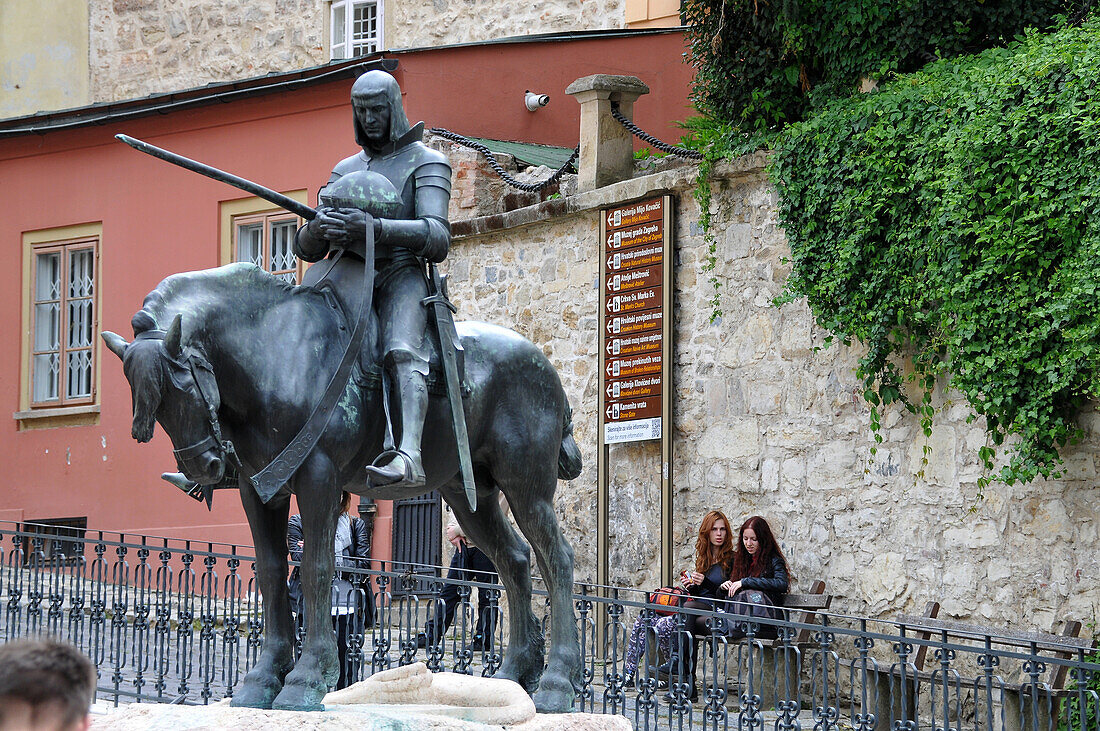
pixel 951 221
pixel 761 64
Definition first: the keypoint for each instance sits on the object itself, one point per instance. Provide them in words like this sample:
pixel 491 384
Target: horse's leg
pixel 317 668
pixel 494 535
pixel 268 525
pixel 533 509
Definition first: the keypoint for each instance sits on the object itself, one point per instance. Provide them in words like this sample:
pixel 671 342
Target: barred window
pixel 64 323
pixel 266 240
pixel 356 27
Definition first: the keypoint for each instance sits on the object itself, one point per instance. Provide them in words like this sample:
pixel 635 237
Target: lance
pixel 194 166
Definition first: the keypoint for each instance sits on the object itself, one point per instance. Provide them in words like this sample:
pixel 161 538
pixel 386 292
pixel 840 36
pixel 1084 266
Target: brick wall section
pixel 764 424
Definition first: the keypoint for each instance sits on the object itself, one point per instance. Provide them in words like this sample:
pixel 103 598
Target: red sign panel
pixel 635 213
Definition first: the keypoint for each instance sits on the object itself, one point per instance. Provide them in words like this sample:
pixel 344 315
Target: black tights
pixel 696 623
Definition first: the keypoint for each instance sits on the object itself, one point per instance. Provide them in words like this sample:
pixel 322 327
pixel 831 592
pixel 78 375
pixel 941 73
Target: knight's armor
pixel 420 231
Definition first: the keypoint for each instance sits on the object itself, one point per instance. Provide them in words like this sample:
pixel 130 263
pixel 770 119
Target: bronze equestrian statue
pixel 233 364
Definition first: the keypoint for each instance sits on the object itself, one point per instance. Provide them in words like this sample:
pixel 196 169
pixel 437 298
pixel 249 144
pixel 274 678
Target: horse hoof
pixel 555 694
pixel 256 694
pixel 299 698
pixel 526 677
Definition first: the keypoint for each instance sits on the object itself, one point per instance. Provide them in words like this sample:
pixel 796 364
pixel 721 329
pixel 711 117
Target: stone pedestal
pixel 607 148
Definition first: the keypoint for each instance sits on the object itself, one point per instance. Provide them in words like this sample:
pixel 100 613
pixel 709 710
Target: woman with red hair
pixel 713 559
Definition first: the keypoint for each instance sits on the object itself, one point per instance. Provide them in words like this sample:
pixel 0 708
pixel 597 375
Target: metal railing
pixel 168 620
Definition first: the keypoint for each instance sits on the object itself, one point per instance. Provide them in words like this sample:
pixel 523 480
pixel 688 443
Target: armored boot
pixel 409 400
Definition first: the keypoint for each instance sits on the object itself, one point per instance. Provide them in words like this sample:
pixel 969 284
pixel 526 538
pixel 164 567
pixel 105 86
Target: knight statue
pixel 419 232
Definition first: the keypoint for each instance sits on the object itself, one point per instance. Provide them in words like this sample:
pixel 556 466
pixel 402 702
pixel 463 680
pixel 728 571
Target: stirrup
pixel 411 476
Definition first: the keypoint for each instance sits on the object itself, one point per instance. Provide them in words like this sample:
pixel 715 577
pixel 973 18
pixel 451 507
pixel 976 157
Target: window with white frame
pixel 267 241
pixel 64 323
pixel 356 28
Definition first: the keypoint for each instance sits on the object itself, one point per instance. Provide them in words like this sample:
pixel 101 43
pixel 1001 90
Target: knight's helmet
pixel 365 190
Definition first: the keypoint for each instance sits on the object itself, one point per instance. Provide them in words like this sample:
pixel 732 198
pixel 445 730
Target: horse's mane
pixel 201 292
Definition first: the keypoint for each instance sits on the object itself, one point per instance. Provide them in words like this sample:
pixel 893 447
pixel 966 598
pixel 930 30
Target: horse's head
pixel 173 383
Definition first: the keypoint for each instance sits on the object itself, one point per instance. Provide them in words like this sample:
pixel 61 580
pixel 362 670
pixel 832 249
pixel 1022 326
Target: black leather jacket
pixel 773 581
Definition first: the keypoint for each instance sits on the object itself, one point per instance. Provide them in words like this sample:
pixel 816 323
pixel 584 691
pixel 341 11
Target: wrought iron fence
pixel 171 620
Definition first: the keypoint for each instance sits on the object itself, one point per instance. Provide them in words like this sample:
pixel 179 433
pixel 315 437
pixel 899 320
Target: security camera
pixel 534 101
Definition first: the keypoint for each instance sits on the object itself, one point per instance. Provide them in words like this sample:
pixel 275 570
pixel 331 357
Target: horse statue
pixel 235 356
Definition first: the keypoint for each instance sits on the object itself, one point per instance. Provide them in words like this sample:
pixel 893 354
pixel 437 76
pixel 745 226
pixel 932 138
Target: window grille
pixel 356 28
pixel 267 241
pixel 62 352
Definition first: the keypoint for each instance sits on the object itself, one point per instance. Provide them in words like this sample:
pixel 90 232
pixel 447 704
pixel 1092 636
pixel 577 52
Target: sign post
pixel 635 352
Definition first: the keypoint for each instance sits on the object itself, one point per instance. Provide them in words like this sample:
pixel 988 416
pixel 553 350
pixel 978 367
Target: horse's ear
pixel 116 343
pixel 172 337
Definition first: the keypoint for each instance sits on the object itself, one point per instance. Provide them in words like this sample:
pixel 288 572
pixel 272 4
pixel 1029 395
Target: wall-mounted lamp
pixel 534 101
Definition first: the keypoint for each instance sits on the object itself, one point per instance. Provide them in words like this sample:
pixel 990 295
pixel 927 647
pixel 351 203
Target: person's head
pixel 376 104
pixel 755 547
pixel 44 686
pixel 713 546
pixel 345 502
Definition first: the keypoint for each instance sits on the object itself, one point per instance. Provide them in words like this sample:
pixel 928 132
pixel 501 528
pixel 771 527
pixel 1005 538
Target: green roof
pixel 530 153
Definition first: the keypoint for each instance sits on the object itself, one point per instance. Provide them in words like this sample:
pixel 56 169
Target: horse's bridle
pixel 201 371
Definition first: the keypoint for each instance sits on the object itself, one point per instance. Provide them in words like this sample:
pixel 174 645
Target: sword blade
pixel 220 175
pixel 445 327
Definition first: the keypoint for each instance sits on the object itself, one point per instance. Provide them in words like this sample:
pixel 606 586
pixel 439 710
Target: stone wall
pixel 141 47
pixel 765 424
pixel 439 22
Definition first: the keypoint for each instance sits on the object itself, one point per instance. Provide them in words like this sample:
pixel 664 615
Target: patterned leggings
pixel 664 626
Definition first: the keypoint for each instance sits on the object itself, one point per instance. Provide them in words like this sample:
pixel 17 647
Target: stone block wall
pixel 439 22
pixel 142 47
pixel 764 423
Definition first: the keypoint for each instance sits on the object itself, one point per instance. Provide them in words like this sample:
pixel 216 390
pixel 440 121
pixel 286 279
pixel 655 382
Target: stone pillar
pixel 607 148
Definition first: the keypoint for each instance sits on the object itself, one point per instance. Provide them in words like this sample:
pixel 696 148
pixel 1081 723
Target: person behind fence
pixel 44 686
pixel 352 550
pixel 467 564
pixel 713 557
pixel 759 581
pixel 713 563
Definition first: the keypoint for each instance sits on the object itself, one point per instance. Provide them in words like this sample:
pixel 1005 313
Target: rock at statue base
pixel 409 697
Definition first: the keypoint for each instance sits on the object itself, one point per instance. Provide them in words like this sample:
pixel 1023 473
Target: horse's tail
pixel 569 456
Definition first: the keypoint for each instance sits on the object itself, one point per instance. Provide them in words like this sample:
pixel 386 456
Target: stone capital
pixel 607 148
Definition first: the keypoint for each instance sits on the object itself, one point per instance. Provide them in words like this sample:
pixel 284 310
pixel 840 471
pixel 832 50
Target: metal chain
pixel 645 137
pixel 498 169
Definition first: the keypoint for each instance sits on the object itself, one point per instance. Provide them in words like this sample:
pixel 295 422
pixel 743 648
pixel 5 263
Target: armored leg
pixel 409 403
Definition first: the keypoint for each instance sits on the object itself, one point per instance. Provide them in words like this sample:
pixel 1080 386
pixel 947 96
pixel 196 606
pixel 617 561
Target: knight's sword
pixel 449 345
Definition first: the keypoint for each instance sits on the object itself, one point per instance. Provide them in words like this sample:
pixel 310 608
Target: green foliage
pixel 761 64
pixel 1089 680
pixel 952 219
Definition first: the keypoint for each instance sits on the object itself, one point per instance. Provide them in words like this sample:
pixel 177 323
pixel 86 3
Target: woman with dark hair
pixel 758 566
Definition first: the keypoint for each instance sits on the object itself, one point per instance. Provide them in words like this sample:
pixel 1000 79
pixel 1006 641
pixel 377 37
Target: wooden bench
pixel 1022 705
pixel 776 670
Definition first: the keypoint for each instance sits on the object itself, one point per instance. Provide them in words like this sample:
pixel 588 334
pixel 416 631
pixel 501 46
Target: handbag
pixel 667 599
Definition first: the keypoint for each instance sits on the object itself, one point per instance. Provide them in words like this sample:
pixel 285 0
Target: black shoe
pixel 628 682
pixel 422 639
pixel 479 644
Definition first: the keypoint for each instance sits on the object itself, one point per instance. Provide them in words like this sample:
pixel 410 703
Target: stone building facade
pixel 765 423
pixel 141 47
